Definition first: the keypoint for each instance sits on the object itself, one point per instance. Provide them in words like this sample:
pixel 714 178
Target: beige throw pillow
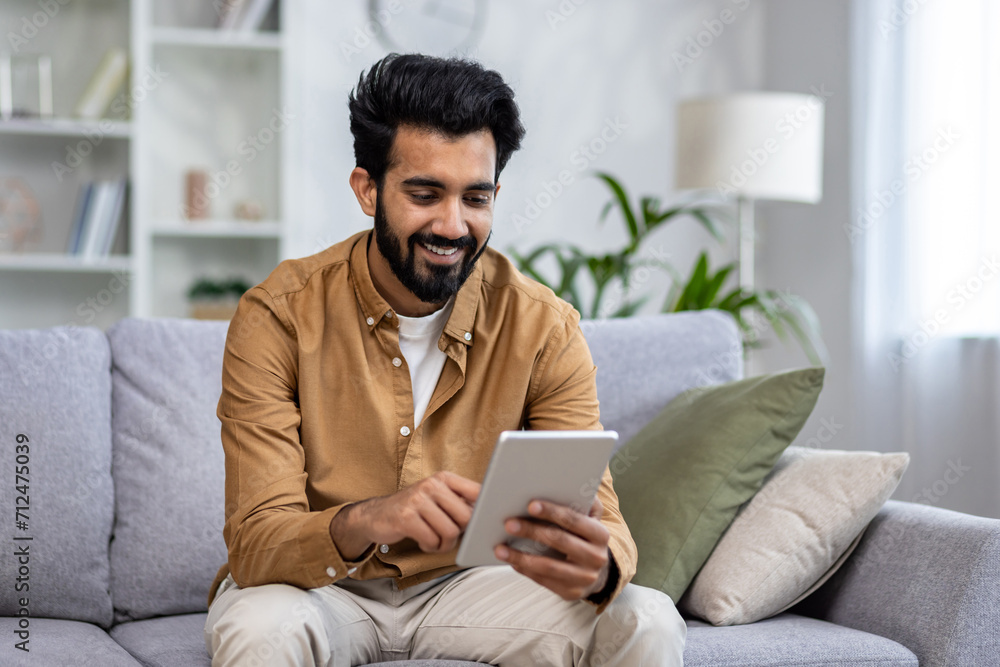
pixel 793 534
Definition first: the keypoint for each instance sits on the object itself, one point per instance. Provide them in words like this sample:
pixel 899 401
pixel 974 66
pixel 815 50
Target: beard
pixel 440 282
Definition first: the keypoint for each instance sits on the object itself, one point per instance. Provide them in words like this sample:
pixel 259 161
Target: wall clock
pixel 435 27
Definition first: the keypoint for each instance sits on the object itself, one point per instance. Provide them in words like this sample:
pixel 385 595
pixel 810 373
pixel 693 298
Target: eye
pixel 478 200
pixel 422 197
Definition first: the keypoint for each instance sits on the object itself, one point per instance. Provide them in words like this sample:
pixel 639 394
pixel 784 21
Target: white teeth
pixel 440 251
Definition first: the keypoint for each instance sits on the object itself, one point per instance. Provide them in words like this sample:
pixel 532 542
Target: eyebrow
pixel 423 181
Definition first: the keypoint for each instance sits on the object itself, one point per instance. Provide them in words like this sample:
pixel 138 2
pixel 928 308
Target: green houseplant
pixel 211 299
pixel 617 293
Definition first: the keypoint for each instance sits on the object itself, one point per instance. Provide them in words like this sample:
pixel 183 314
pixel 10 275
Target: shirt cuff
pixel 602 598
pixel 353 566
pixel 339 567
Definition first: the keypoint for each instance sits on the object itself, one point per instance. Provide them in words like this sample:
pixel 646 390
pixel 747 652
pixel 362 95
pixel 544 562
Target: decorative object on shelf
pixel 615 278
pixel 97 218
pixel 20 215
pixel 249 209
pixel 210 299
pixel 439 27
pixel 753 146
pixel 243 15
pixel 104 84
pixel 25 86
pixel 195 199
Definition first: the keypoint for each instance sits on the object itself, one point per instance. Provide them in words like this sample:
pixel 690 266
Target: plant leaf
pixel 622 199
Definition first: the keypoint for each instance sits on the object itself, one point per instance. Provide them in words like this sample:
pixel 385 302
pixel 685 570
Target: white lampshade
pixel 755 145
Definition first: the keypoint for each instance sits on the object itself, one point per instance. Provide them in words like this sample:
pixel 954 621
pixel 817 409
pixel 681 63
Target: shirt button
pixel 397 362
pixel 384 548
pixel 370 321
pixel 468 336
pixel 351 571
pixel 330 572
pixel 389 314
pixel 404 431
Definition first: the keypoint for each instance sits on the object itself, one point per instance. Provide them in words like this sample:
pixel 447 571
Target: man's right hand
pixel 433 512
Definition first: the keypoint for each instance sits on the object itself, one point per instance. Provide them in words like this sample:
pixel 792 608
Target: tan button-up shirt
pixel 315 416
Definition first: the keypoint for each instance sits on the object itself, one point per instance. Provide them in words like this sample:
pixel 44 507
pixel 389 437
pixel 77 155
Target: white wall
pixel 575 68
pixel 803 247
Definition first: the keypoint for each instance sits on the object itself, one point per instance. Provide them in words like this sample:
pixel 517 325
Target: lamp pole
pixel 747 241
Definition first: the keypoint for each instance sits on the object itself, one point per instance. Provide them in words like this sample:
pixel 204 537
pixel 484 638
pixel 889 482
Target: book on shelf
pixel 243 15
pixel 104 84
pixel 82 203
pixel 97 219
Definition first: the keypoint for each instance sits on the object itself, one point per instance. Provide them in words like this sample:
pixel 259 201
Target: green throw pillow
pixel 682 478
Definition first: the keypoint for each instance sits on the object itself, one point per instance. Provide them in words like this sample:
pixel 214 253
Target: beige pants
pixel 486 614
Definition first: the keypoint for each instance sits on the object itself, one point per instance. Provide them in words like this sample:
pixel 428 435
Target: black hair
pixel 451 96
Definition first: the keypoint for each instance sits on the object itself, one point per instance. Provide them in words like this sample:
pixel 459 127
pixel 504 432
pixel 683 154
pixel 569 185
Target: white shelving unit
pixel 197 98
pixel 67 127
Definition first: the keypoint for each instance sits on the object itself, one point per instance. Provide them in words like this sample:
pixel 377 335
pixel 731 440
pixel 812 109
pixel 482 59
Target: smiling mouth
pixel 438 250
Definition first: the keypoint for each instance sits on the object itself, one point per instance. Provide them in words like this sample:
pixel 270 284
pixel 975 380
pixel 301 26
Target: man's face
pixel 433 215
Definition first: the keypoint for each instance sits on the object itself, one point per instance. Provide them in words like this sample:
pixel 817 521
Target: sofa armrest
pixel 925 577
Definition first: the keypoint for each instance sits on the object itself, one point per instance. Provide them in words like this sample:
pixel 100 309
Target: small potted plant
pixel 211 299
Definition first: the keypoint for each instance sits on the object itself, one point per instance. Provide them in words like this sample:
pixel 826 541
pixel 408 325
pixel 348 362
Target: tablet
pixel 560 466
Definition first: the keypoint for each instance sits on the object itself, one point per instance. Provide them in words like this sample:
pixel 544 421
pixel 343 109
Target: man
pixel 363 390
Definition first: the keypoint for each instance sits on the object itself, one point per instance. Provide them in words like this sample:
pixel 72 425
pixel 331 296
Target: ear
pixel 497 191
pixel 364 189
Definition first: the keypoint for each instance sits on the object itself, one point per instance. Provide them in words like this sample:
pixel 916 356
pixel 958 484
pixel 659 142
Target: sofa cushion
pixel 59 642
pixel 169 468
pixel 682 479
pixel 172 641
pixel 56 393
pixel 178 641
pixel 793 534
pixel 790 641
pixel 705 348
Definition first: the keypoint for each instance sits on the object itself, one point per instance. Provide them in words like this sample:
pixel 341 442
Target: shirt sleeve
pixel 563 396
pixel 271 533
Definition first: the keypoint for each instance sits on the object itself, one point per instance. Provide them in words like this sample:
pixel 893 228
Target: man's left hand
pixel 581 537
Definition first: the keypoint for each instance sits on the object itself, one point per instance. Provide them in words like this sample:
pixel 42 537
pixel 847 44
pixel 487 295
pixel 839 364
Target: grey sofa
pixel 122 498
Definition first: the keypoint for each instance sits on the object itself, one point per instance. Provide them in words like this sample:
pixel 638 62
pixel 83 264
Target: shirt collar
pixel 374 307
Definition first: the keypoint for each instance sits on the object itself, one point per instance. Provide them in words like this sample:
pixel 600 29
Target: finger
pixel 588 528
pixel 432 525
pixel 446 531
pixel 456 508
pixel 438 490
pixel 572 546
pixel 468 489
pixel 566 579
pixel 597 508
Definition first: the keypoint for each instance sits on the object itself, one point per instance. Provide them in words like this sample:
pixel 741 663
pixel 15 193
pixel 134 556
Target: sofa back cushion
pixel 57 493
pixel 169 469
pixel 644 362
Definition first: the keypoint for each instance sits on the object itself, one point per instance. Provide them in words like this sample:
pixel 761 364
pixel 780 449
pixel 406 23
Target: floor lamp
pixel 751 146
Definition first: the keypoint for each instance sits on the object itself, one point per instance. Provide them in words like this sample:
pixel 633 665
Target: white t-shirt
pixel 418 339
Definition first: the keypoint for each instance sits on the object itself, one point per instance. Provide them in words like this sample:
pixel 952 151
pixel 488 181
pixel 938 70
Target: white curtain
pixel 925 233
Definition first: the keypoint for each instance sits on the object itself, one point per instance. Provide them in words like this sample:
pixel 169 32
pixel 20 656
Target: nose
pixel 451 221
